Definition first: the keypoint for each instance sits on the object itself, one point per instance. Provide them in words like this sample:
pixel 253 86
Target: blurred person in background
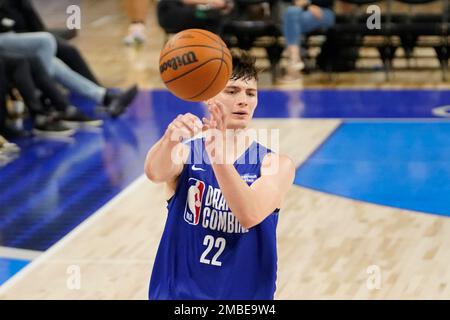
pixel 137 11
pixel 6 147
pixel 20 16
pixel 43 45
pixel 55 118
pixel 177 15
pixel 299 18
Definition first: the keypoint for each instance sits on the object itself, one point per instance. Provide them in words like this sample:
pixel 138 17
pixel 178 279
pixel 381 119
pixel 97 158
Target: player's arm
pixel 166 158
pixel 252 204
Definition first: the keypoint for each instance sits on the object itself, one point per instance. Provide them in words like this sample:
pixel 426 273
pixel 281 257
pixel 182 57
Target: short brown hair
pixel 243 66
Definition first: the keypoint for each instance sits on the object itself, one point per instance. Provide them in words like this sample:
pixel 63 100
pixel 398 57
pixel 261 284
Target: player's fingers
pixel 215 113
pixel 206 121
pixel 218 117
pixel 188 124
pixel 206 124
pixel 221 107
pixel 180 134
pixel 179 131
pixel 193 118
pixel 210 111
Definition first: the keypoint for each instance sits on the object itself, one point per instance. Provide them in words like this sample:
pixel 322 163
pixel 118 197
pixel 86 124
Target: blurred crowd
pixel 39 69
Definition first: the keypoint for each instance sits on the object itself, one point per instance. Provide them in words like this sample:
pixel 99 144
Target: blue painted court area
pixel 9 267
pixel 56 184
pixel 398 164
pixel 341 103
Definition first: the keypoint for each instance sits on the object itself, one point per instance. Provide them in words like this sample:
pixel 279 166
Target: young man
pixel 224 192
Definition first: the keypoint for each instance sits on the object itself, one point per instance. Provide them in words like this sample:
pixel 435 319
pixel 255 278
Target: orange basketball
pixel 195 65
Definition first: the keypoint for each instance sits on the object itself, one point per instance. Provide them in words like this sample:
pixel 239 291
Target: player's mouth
pixel 240 113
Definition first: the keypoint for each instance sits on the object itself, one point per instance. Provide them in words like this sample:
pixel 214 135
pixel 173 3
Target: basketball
pixel 195 65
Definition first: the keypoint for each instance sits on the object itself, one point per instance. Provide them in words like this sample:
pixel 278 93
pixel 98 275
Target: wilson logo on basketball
pixel 178 61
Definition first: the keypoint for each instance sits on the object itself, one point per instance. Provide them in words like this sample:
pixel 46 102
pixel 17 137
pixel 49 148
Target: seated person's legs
pixel 19 73
pixel 3 86
pixel 44 45
pixel 297 22
pixel 70 55
pixel 137 14
pixel 68 113
pixel 180 15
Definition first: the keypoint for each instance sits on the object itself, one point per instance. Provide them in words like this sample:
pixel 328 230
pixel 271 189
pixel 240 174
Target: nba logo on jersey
pixel 196 189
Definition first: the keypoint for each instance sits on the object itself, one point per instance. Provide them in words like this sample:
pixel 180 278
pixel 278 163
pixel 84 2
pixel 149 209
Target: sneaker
pixel 9 132
pixel 116 104
pixel 136 34
pixel 297 66
pixel 7 157
pixel 7 147
pixel 11 147
pixel 52 128
pixel 74 118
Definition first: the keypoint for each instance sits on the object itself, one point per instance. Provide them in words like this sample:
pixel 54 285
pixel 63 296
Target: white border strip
pixel 92 219
pixel 16 253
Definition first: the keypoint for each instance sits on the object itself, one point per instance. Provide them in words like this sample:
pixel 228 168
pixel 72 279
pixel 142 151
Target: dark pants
pixel 3 86
pixel 18 73
pixel 47 85
pixel 27 75
pixel 174 16
pixel 73 58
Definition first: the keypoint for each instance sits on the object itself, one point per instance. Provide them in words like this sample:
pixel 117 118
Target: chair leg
pixel 442 53
pixel 274 53
pixel 387 53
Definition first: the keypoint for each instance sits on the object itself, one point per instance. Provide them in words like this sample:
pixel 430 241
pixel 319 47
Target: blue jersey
pixel 204 252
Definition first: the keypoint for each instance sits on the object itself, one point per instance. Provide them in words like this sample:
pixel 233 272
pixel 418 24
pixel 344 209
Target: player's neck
pixel 238 137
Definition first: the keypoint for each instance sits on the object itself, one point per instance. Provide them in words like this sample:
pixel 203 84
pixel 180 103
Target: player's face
pixel 240 98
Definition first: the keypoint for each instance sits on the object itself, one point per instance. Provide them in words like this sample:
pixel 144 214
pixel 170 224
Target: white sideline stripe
pixel 71 235
pixel 21 254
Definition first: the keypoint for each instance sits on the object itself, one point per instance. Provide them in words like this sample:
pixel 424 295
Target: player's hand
pixel 218 117
pixel 215 131
pixel 184 126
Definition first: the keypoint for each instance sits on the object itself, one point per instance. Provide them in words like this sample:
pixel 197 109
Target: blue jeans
pixel 43 45
pixel 297 22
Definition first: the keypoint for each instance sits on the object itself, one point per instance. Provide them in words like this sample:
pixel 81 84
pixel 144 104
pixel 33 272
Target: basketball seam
pixel 228 68
pixel 208 36
pixel 214 79
pixel 196 46
pixel 182 75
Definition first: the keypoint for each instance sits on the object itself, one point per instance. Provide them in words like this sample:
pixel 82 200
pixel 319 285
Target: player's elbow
pixel 248 224
pixel 248 221
pixel 153 175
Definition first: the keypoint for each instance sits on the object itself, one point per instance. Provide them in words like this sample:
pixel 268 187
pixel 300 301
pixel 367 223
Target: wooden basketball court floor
pixel 330 247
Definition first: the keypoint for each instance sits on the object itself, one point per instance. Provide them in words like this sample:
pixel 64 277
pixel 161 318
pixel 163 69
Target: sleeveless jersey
pixel 204 252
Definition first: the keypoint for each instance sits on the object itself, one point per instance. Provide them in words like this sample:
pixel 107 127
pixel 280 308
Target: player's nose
pixel 242 100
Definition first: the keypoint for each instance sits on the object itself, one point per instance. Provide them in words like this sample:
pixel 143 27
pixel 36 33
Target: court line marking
pixel 71 235
pixel 20 254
